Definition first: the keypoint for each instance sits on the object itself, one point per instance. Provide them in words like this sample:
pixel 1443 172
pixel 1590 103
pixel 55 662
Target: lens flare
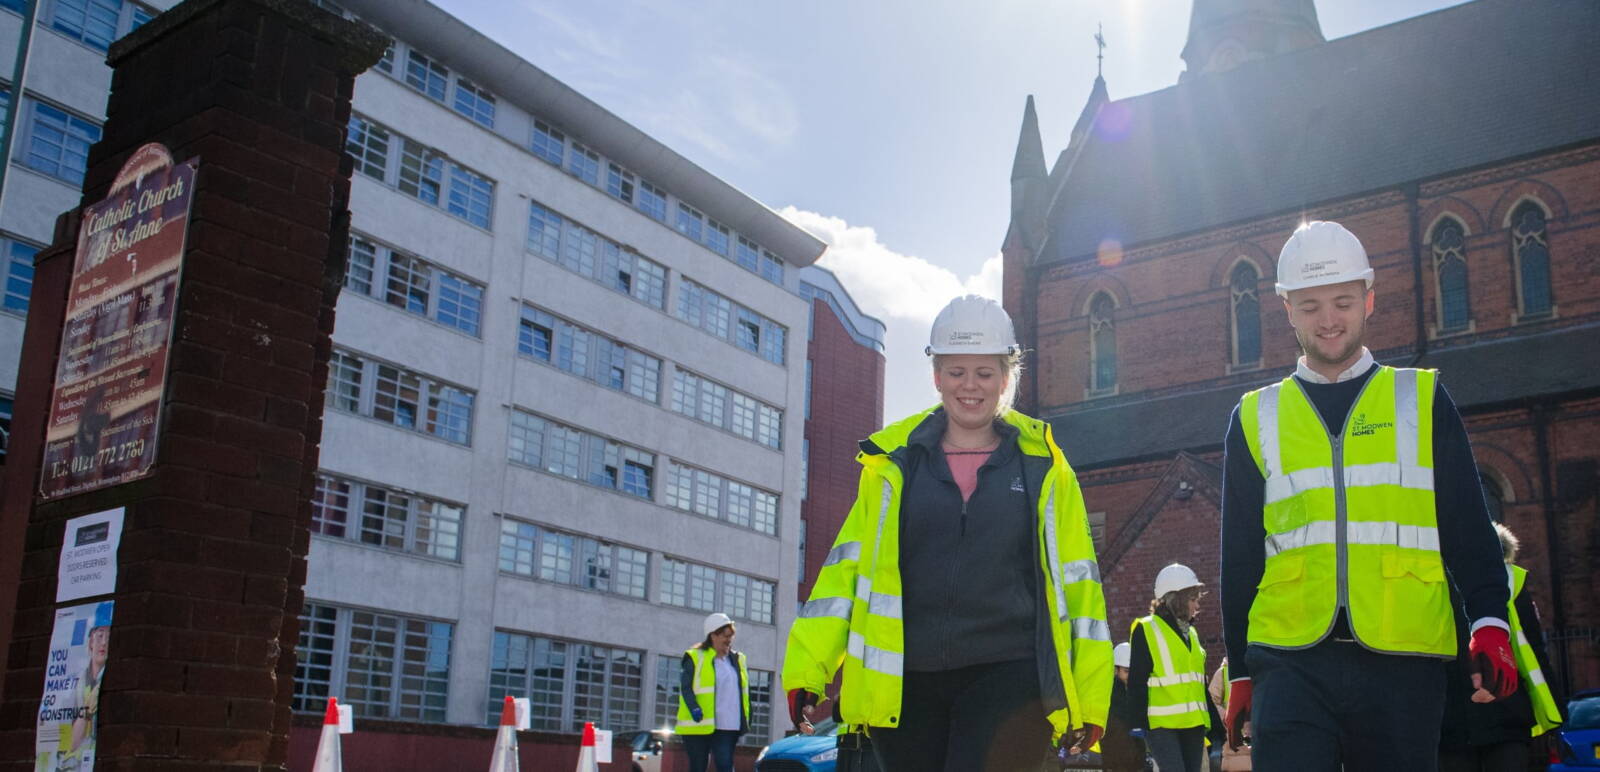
pixel 1109 253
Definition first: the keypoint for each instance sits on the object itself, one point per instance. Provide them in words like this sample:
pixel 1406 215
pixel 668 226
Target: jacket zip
pixel 1340 516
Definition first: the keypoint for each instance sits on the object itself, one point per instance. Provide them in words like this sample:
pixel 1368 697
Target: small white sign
pixel 89 556
pixel 602 746
pixel 347 719
pixel 524 709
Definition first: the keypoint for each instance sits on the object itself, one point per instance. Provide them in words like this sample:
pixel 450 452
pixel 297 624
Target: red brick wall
pixel 846 406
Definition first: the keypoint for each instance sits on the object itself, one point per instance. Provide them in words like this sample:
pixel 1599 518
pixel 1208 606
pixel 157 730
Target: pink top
pixel 964 466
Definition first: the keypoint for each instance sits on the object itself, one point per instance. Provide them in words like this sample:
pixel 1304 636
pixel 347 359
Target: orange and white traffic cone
pixel 505 742
pixel 586 757
pixel 328 757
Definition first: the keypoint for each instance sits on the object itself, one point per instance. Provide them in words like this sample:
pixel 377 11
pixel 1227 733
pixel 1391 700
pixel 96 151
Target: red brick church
pixel 1462 147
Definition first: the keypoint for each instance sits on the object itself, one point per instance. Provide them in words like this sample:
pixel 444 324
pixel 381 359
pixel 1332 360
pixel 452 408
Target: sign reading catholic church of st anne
pixel 112 368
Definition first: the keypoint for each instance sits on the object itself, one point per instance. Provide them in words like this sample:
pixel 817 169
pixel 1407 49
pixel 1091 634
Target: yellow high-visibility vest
pixel 1176 692
pixel 1350 518
pixel 1546 716
pixel 705 694
pixel 852 620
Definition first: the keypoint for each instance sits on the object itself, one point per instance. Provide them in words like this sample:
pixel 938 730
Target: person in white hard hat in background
pixel 713 697
pixel 1120 750
pixel 1232 759
pixel 1350 500
pixel 1167 674
pixel 961 598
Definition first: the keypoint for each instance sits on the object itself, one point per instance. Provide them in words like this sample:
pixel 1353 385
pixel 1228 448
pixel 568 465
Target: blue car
pixel 817 752
pixel 1578 741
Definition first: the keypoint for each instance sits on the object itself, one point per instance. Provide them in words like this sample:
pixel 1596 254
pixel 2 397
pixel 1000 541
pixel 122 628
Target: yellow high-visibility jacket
pixel 853 617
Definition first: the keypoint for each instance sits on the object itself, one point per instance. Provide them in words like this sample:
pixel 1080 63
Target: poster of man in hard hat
pixel 79 646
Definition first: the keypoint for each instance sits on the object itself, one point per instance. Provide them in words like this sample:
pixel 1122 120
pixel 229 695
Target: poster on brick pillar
pixel 65 737
pixel 111 371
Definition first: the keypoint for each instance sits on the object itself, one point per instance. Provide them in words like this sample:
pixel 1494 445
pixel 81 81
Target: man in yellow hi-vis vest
pixel 1350 501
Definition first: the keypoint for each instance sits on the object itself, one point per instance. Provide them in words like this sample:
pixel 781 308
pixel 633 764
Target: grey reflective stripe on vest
pixel 1535 675
pixel 1174 680
pixel 1053 550
pixel 1080 570
pixel 877 603
pixel 875 659
pixel 850 550
pixel 1176 710
pixel 1367 533
pixel 1089 628
pixel 1267 427
pixel 1355 476
pixel 826 607
pixel 1154 624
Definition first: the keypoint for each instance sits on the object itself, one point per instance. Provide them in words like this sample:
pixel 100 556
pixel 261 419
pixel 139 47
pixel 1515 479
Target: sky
pixel 886 128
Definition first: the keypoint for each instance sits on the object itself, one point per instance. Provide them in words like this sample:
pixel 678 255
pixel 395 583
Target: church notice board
pixel 111 372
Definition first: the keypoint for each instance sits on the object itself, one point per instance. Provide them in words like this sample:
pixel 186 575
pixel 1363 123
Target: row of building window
pixel 563 241
pixel 434 80
pixel 419 171
pixel 715 496
pixel 388 666
pixel 95 23
pixel 710 402
pixel 588 354
pixel 581 561
pixel 384 517
pixel 703 307
pixel 415 285
pixel 398 396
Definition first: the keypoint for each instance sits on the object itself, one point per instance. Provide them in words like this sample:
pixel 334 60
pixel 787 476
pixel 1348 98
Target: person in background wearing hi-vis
pixel 713 697
pixel 1167 674
pixel 1481 734
pixel 1350 500
pixel 961 598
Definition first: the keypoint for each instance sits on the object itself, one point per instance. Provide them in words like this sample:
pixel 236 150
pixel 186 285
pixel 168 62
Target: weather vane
pixel 1100 58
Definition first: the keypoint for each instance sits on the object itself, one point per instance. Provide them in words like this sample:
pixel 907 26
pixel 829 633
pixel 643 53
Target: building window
pixel 716 237
pixel 771 268
pixel 543 444
pixel 386 64
pixel 474 102
pixel 568 683
pixel 690 222
pixel 414 285
pixel 703 588
pixel 397 396
pixel 668 670
pixel 712 495
pixel 92 21
pixel 704 308
pixel 1246 316
pixel 748 255
pixel 383 517
pixel 1097 530
pixel 530 550
pixel 1102 344
pixel 652 201
pixel 5 427
pixel 760 708
pixel 384 666
pixel 1494 497
pixel 715 404
pixel 584 164
pixel 58 143
pixel 19 274
pixel 1531 252
pixel 426 76
pixel 20 6
pixel 620 183
pixel 577 248
pixel 1449 243
pixel 419 171
pixel 548 143
pixel 588 354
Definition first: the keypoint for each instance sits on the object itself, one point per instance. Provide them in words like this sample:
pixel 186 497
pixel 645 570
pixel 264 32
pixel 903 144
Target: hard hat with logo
pixel 1122 655
pixel 1321 253
pixel 716 622
pixel 1174 578
pixel 972 324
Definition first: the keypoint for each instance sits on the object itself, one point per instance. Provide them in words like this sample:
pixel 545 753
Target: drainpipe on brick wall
pixel 1541 437
pixel 1412 191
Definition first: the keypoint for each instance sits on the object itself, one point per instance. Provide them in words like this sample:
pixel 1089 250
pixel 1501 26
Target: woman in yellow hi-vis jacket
pixel 1167 674
pixel 713 697
pixel 961 599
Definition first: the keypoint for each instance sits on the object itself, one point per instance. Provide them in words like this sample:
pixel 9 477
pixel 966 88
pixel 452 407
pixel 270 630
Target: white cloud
pixel 904 291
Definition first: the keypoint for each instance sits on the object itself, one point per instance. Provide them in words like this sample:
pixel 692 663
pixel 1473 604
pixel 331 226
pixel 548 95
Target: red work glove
pixel 1494 668
pixel 800 704
pixel 1238 710
pixel 1085 737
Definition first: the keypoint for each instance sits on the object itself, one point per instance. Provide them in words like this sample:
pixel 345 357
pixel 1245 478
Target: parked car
pixel 1577 742
pixel 817 752
pixel 645 748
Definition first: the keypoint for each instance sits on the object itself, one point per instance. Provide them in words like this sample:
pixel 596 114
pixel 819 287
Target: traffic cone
pixel 505 742
pixel 328 757
pixel 586 759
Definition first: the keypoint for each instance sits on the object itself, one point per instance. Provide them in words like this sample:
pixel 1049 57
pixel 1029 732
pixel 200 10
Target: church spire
pixel 1029 162
pixel 1226 33
pixel 1030 179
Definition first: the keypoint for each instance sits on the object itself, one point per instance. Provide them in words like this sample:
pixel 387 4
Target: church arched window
pixel 1449 244
pixel 1102 343
pixel 1494 497
pixel 1246 315
pixel 1531 254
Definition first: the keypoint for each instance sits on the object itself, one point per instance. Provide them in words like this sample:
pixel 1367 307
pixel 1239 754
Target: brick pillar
pixel 212 562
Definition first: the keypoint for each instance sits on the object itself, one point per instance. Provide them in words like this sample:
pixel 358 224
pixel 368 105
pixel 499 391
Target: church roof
pixel 1437 94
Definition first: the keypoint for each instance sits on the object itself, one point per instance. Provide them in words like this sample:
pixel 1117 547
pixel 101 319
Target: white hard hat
pixel 1122 655
pixel 972 324
pixel 1321 253
pixel 1174 578
pixel 716 622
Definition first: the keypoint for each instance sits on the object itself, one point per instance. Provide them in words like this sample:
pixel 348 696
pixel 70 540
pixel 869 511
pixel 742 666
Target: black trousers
pixel 718 746
pixel 1338 702
pixel 984 718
